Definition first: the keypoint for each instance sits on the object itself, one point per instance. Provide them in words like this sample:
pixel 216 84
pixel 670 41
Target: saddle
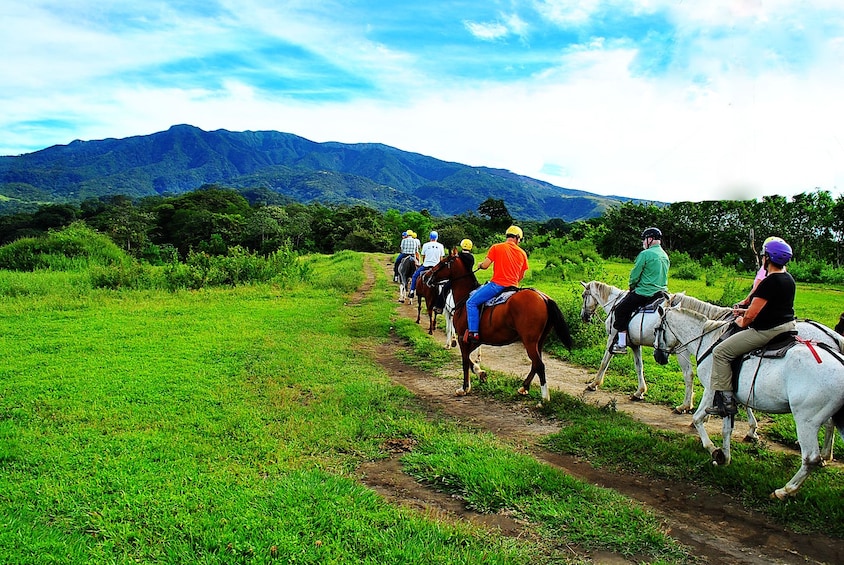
pixel 654 305
pixel 774 349
pixel 501 298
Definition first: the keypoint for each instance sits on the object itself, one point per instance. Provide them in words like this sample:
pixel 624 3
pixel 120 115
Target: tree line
pixel 214 219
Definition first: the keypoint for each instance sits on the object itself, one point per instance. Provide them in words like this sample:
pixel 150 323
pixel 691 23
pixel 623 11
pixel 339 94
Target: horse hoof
pixel 718 457
pixel 591 388
pixel 681 410
pixel 779 494
pixel 750 439
pixel 635 398
pixel 482 376
pixel 460 392
pixel 522 391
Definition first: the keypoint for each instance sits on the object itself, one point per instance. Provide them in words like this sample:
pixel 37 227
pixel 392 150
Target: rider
pixel 432 253
pixel 509 265
pixel 760 274
pixel 408 247
pixel 464 252
pixel 648 279
pixel 770 313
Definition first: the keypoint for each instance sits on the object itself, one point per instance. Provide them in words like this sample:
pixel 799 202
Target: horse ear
pixel 584 286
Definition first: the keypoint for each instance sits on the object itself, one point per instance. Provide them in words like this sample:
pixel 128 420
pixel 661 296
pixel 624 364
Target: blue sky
pixel 658 99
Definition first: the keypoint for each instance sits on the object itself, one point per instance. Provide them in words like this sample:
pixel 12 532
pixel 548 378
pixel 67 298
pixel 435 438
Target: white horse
pixel 807 382
pixel 641 331
pixel 448 312
pixel 406 268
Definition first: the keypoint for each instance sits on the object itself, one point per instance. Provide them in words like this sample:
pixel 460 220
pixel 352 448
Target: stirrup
pixel 471 337
pixel 721 407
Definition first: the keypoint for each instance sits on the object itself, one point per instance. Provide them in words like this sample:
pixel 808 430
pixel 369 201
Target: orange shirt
pixel 509 263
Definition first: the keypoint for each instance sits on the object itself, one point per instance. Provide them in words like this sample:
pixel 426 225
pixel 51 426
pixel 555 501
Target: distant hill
pixel 184 158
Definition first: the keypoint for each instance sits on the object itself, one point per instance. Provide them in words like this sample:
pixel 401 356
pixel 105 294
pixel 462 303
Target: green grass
pixel 226 426
pixel 614 440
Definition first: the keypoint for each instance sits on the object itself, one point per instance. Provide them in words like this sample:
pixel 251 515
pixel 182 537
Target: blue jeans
pixel 476 299
pixel 416 276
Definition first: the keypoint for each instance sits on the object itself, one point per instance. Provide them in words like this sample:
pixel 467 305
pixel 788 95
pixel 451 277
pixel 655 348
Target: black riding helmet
pixel 652 232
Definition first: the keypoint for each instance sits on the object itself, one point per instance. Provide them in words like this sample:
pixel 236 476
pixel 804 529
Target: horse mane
pixel 604 290
pixel 708 323
pixel 707 310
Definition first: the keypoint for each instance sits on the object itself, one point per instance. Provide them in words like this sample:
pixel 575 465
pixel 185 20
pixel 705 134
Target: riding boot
pixel 723 404
pixel 471 337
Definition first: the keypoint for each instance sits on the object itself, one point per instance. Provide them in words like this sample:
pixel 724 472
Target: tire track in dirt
pixel 716 527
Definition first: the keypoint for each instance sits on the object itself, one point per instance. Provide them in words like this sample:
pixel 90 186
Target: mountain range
pixel 184 158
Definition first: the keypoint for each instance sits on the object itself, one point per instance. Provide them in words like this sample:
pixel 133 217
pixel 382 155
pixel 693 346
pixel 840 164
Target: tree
pixel 497 215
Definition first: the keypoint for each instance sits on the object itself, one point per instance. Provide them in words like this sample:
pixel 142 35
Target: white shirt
pixel 432 252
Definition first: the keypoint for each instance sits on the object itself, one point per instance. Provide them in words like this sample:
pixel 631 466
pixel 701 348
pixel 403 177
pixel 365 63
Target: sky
pixel 662 100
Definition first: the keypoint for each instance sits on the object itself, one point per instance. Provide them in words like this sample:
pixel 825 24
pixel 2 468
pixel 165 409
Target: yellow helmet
pixel 466 245
pixel 515 230
pixel 411 233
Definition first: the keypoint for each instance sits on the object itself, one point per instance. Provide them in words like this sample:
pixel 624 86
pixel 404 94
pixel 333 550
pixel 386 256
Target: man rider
pixel 432 253
pixel 408 247
pixel 464 253
pixel 509 263
pixel 648 279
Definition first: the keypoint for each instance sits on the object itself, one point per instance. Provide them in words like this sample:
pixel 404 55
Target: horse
pixel 596 294
pixel 641 330
pixel 407 266
pixel 808 382
pixel 527 316
pixel 429 292
pixel 448 312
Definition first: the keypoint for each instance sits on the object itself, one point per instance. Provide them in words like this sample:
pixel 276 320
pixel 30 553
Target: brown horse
pixel 528 316
pixel 429 293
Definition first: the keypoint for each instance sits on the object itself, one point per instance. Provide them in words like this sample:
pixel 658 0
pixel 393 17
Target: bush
pixel 688 272
pixel 237 267
pixel 73 248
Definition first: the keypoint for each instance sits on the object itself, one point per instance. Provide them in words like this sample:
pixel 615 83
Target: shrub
pixel 73 248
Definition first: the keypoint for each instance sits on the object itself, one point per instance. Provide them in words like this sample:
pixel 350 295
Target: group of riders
pixel 766 312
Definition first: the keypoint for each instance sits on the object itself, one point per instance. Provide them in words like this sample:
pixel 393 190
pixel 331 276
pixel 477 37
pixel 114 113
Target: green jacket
pixel 650 272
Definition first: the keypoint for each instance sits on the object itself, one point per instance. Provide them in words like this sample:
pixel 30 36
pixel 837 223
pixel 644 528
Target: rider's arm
pixel 486 263
pixel 752 311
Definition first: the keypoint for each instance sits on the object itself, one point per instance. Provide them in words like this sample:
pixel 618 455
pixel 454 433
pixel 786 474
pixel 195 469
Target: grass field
pixel 226 425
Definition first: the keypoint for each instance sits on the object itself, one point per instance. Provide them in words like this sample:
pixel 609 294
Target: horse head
pixel 590 303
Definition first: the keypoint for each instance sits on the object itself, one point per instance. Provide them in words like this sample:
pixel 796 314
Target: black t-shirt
pixel 778 289
pixel 468 259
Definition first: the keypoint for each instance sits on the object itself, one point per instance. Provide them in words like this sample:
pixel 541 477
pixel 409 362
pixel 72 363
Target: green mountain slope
pixel 184 158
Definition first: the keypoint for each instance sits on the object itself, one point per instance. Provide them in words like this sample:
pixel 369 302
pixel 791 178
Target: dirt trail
pixel 718 528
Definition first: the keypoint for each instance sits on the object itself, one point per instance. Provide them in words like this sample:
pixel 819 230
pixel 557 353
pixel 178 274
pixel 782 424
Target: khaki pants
pixel 739 344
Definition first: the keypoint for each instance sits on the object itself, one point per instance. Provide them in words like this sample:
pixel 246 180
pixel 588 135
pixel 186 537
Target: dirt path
pixel 718 529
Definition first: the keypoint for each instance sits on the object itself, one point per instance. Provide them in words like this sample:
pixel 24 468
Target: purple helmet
pixel 779 252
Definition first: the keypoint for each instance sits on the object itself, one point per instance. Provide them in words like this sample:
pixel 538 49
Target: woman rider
pixel 770 312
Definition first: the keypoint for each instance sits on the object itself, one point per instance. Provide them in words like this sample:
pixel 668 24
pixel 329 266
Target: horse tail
pixel 838 420
pixel 555 316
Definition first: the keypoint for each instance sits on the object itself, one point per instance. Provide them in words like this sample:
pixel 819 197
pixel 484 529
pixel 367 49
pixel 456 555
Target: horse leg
pixel 418 307
pixel 605 363
pixel 753 425
pixel 807 435
pixel 828 440
pixel 476 367
pixel 699 418
pixel 684 359
pixel 640 373
pixel 432 321
pixel 722 456
pixel 537 367
pixel 465 350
